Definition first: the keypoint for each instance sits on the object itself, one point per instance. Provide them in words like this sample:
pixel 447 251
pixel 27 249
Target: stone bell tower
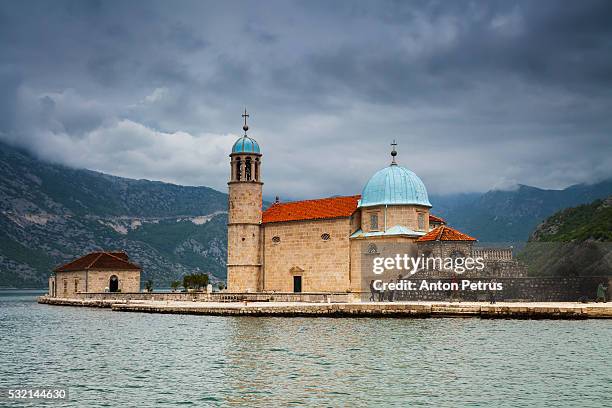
pixel 244 215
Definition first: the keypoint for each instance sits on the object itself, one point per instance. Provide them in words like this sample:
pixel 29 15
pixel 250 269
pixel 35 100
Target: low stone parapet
pixel 341 297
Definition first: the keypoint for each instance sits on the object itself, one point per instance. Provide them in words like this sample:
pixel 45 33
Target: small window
pixel 238 168
pixel 372 249
pixel 325 237
pixel 373 221
pixel 247 168
pixel 65 285
pixel 421 221
pixel 276 240
pixel 76 285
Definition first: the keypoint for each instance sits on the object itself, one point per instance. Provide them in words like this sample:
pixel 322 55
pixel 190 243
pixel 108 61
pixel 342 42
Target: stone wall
pixel 405 215
pixel 492 269
pixel 245 201
pixel 299 249
pixel 361 258
pixel 244 278
pixel 98 281
pixel 501 254
pixel 68 284
pixel 244 236
pixel 532 289
pixel 243 244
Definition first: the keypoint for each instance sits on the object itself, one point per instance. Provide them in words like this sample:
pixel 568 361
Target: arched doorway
pixel 113 284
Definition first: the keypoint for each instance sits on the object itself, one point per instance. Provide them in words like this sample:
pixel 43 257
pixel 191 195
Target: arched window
pixel 238 169
pixel 247 170
pixel 372 249
pixel 256 170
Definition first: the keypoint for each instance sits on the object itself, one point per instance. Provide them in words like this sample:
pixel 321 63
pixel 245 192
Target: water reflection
pixel 109 359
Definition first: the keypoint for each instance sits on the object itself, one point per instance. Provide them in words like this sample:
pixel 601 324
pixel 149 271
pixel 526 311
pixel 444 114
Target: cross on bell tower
pixel 245 115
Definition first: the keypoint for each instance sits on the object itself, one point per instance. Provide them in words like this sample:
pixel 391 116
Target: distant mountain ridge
pixel 50 214
pixel 511 216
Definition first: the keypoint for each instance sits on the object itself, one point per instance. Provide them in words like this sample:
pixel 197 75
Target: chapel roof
pixel 324 208
pixel 99 260
pixel 445 233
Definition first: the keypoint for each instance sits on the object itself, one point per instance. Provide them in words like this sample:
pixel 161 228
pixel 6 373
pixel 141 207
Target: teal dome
pixel 246 145
pixel 394 185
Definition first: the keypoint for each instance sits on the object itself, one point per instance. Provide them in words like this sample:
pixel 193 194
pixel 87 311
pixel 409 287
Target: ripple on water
pixel 116 359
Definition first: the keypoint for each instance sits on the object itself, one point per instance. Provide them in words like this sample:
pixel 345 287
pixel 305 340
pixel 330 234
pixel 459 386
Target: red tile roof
pixel 333 207
pixel 99 260
pixel 445 233
pixel 433 218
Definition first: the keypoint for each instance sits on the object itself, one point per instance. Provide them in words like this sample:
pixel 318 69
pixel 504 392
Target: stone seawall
pixel 535 310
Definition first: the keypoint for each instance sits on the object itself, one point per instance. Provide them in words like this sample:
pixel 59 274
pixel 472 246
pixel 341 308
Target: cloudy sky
pixel 478 95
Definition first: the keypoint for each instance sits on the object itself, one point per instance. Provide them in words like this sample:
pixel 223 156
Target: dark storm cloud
pixel 478 94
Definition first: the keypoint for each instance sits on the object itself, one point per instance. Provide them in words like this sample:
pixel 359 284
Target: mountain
pixel 50 214
pixel 510 216
pixel 588 222
pixel 574 241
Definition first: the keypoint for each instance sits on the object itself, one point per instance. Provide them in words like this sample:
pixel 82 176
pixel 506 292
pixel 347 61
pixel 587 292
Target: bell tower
pixel 244 215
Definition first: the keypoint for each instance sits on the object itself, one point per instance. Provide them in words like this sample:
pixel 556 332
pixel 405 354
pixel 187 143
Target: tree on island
pixel 195 281
pixel 149 285
pixel 175 285
pixel 221 285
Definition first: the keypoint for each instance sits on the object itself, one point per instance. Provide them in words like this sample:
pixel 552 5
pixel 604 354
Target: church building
pixel 95 272
pixel 317 245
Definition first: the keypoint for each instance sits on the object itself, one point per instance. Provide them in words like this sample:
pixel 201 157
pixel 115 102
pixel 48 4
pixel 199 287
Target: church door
pixel 297 284
pixel 113 284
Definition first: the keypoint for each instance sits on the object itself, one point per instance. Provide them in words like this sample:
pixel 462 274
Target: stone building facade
pixel 320 245
pixel 95 272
